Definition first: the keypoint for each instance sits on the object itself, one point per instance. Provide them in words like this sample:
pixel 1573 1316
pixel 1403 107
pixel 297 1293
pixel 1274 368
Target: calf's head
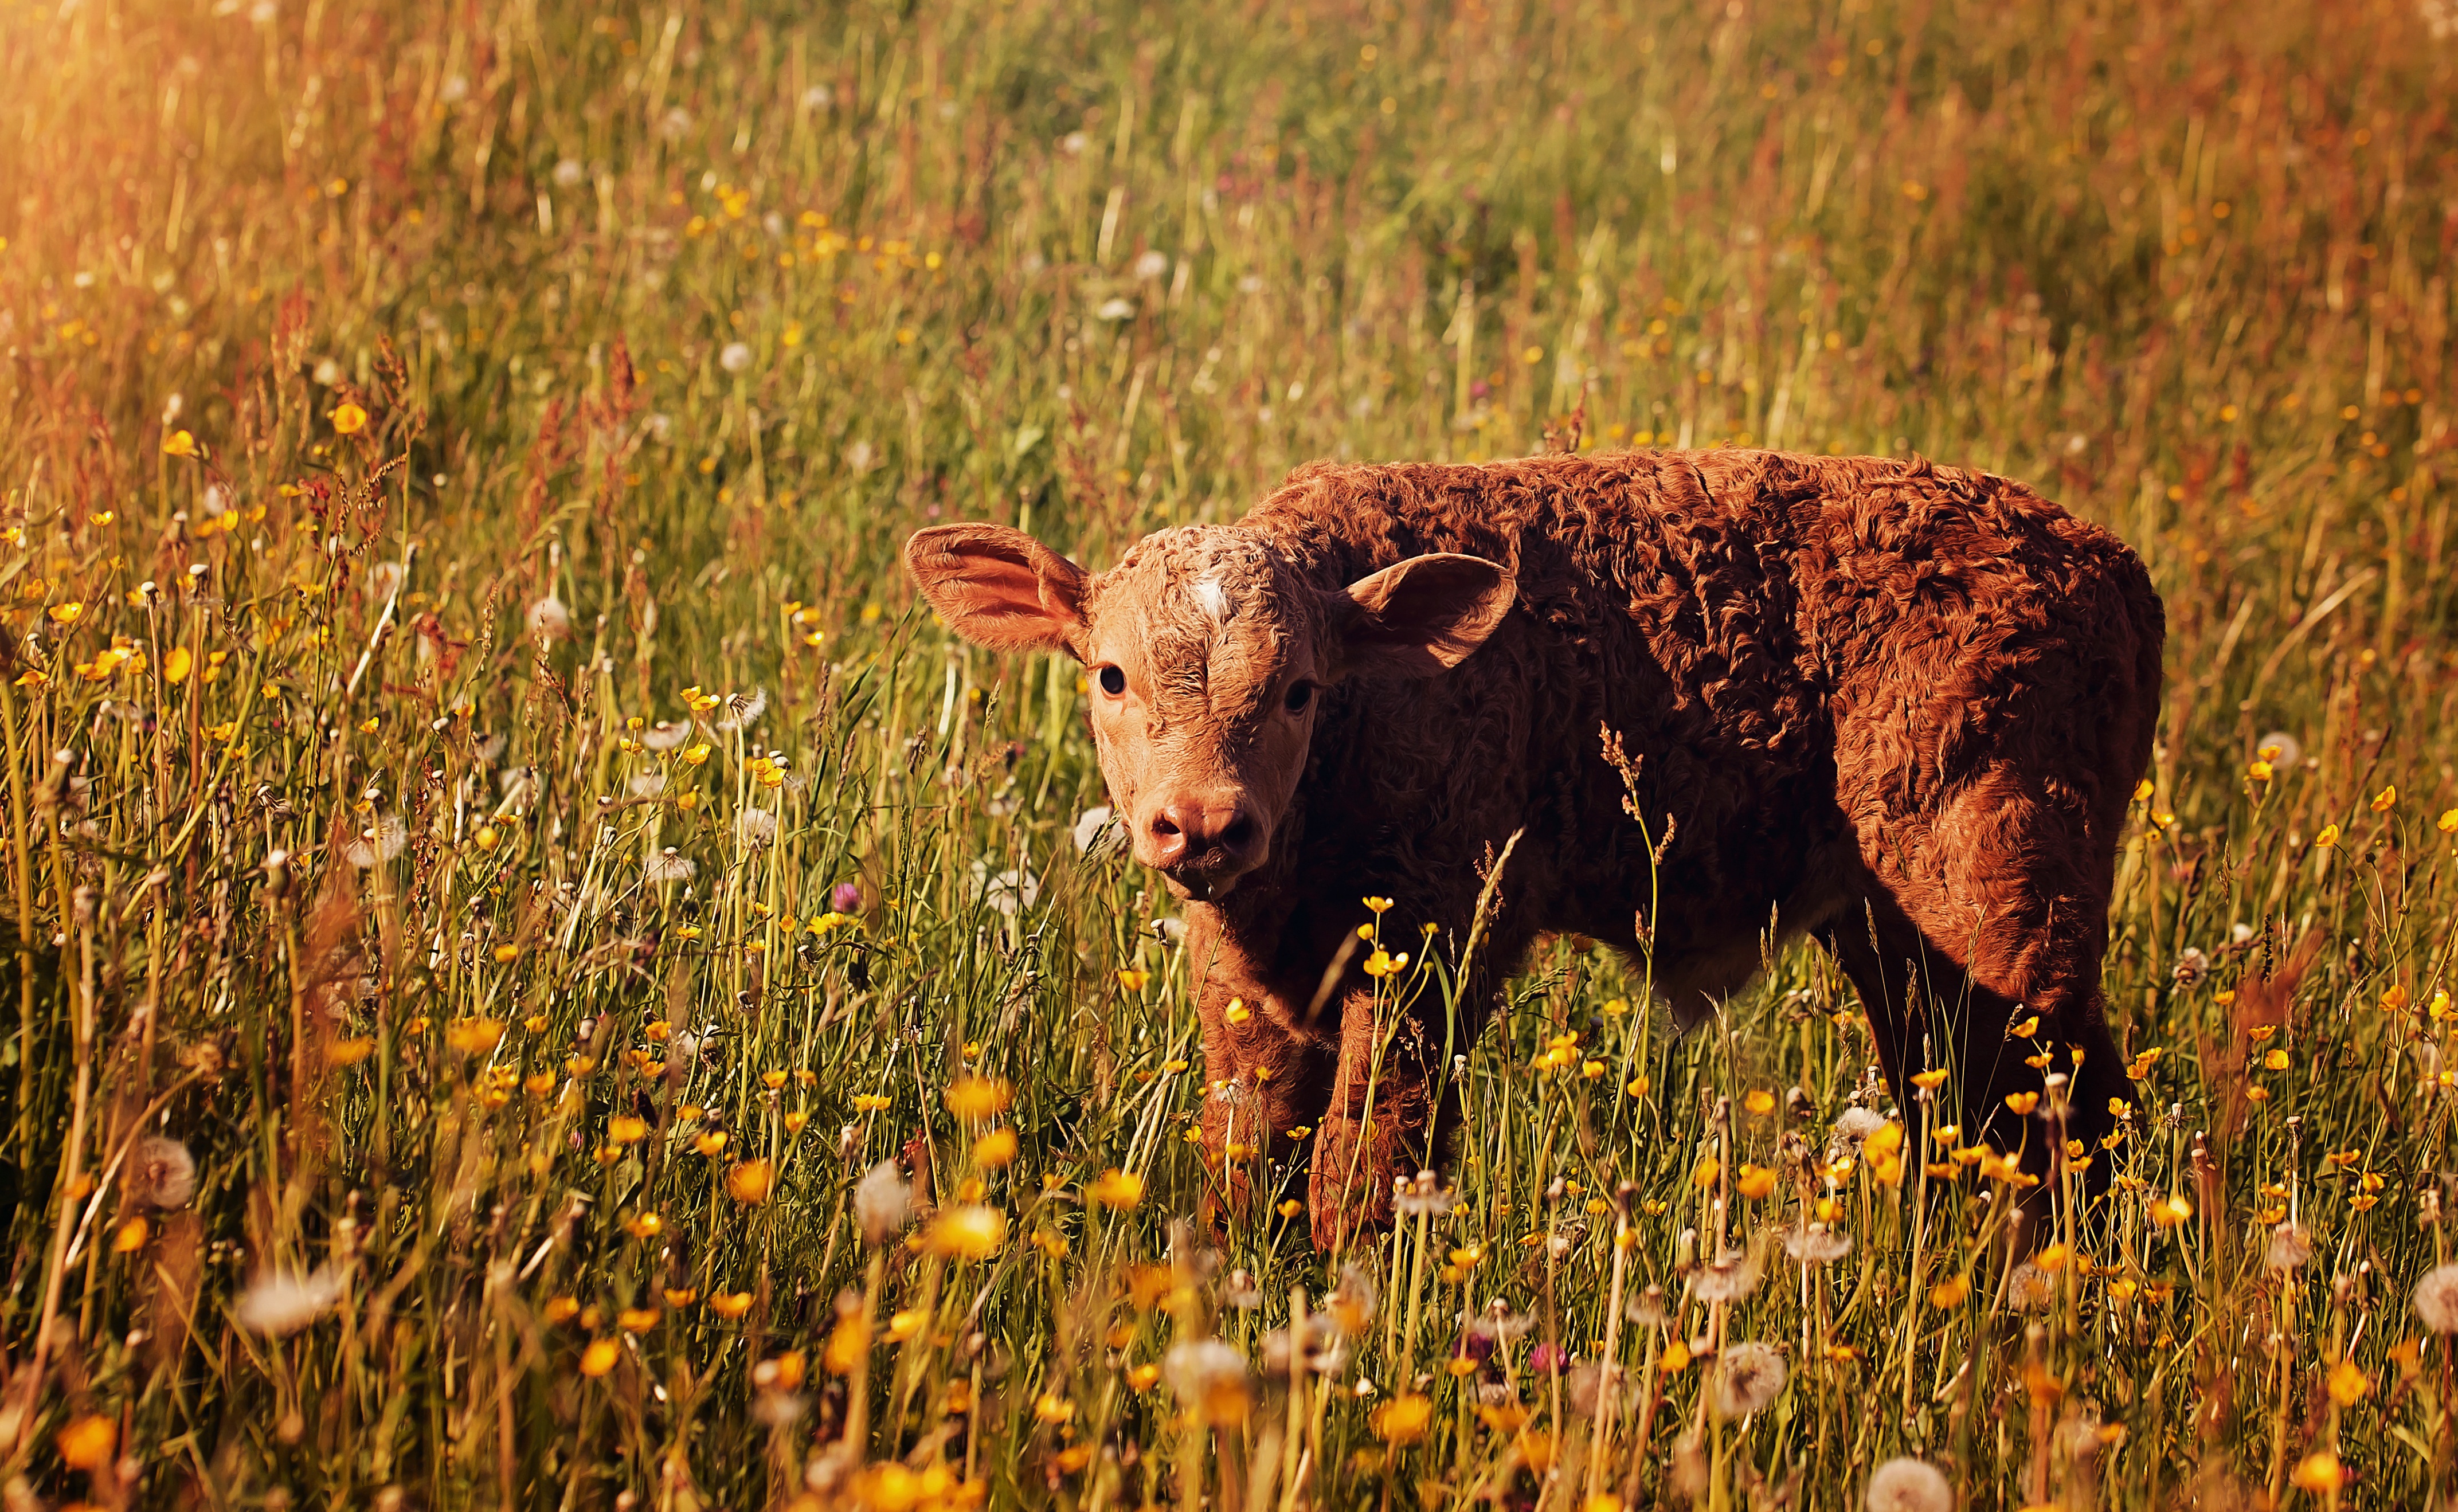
pixel 1206 651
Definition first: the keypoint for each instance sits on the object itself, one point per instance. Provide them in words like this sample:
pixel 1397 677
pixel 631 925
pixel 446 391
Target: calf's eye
pixel 1298 695
pixel 1113 682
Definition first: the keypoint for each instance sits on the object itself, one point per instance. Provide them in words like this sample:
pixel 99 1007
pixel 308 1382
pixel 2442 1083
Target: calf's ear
pixel 1423 616
pixel 999 588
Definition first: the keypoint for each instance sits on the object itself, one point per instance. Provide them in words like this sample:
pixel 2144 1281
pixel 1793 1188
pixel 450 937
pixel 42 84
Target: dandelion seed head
pixel 1817 1245
pixel 742 710
pixel 1747 1378
pixel 1909 1485
pixel 1090 826
pixel 2030 1289
pixel 281 1302
pixel 549 618
pixel 380 841
pixel 1729 1277
pixel 2436 1298
pixel 2291 1248
pixel 1209 1377
pixel 160 1173
pixel 880 1202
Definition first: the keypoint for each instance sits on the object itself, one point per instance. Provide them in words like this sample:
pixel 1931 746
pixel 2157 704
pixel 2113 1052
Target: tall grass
pixel 534 977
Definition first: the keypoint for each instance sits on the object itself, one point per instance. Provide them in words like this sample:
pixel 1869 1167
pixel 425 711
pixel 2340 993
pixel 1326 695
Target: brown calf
pixel 1898 706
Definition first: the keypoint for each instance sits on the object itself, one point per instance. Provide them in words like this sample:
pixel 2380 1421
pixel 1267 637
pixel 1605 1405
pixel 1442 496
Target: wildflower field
pixel 532 974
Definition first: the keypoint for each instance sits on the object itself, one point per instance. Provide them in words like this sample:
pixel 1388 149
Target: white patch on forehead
pixel 1212 598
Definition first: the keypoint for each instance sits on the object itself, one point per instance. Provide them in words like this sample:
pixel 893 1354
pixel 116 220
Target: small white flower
pixel 1073 143
pixel 284 1302
pixel 328 372
pixel 735 357
pixel 818 97
pixel 1152 265
pixel 1116 309
pixel 568 173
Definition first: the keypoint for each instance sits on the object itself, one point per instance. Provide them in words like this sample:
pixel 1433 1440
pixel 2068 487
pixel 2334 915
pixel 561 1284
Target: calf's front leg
pixel 1264 1080
pixel 1379 1129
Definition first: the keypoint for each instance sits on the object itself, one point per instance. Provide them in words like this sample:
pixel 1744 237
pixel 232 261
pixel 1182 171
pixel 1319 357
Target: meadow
pixel 534 976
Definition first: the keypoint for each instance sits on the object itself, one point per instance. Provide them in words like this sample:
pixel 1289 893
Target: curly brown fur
pixel 1897 706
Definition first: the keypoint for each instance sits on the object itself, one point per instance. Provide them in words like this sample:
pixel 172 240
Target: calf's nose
pixel 1188 834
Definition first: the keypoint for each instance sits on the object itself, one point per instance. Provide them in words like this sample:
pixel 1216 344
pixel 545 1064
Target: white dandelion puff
pixel 734 356
pixel 668 867
pixel 2436 1299
pixel 2291 1248
pixel 1729 1277
pixel 2030 1289
pixel 1909 1485
pixel 568 173
pixel 1817 1245
pixel 161 1173
pixel 665 734
pixel 1007 893
pixel 549 618
pixel 1747 1378
pixel 1088 827
pixel 742 710
pixel 1152 265
pixel 284 1302
pixel 380 841
pixel 880 1203
pixel 757 826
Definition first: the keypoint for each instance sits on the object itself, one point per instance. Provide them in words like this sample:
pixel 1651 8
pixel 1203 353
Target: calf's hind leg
pixel 1993 909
